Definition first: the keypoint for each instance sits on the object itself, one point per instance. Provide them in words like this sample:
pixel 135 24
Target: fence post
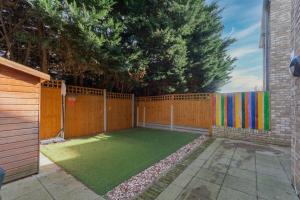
pixel 132 111
pixel 144 123
pixel 63 108
pixel 104 111
pixel 212 114
pixel 172 113
pixel 137 116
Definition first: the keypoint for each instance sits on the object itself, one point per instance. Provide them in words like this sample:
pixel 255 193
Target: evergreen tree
pixel 209 64
pixel 148 47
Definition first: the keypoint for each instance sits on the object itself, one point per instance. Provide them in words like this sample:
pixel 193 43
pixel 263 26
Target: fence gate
pixel 175 111
pixel 51 109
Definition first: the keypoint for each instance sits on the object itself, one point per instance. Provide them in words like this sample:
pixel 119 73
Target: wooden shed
pixel 19 119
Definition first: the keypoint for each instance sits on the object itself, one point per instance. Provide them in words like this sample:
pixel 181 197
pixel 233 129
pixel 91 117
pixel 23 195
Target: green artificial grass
pixel 106 160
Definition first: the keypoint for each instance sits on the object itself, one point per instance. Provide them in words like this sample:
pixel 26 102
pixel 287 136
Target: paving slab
pixel 229 194
pixel 171 193
pixel 235 170
pixel 52 183
pixel 240 184
pixel 275 192
pixel 242 173
pixel 183 179
pixel 200 189
pixel 210 176
pixel 272 171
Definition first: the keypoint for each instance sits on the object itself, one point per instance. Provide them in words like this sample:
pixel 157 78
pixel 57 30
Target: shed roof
pixel 23 68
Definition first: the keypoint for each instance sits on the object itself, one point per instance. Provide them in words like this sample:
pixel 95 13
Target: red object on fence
pixel 71 101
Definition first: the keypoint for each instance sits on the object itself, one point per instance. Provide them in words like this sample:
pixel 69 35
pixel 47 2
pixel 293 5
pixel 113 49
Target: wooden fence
pixel 180 110
pixel 250 110
pixel 120 112
pixel 51 109
pixel 87 111
pixel 90 111
pixel 84 112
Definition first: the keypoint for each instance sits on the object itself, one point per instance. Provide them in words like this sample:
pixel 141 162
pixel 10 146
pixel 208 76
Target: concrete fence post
pixel 63 108
pixel 104 111
pixel 172 118
pixel 132 111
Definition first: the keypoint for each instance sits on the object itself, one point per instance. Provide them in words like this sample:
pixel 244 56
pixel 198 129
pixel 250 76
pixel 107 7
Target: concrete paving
pixel 235 170
pixel 52 183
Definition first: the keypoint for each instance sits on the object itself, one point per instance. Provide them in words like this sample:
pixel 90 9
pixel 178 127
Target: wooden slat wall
pixel 19 117
pixel 84 116
pixel 190 110
pixel 50 112
pixel 119 111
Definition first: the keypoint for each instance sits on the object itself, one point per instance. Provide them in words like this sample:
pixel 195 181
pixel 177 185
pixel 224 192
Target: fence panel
pixel 154 110
pixel 186 110
pixel 193 110
pixel 50 111
pixel 250 110
pixel 119 111
pixel 84 112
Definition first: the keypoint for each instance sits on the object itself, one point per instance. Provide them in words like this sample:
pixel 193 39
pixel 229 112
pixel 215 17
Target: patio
pixel 235 170
pixel 52 183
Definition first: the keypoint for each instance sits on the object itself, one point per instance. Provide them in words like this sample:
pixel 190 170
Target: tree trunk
pixel 44 60
pixel 81 80
pixel 27 53
pixel 43 49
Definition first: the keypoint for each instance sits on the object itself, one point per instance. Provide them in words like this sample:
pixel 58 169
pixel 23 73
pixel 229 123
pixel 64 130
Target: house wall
pixel 279 78
pixel 19 127
pixel 295 92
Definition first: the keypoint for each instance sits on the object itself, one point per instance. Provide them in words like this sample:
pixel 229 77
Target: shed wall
pixel 19 123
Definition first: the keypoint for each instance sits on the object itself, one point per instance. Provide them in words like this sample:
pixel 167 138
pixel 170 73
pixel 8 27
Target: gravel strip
pixel 138 183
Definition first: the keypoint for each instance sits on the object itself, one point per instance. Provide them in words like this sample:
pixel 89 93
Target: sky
pixel 241 20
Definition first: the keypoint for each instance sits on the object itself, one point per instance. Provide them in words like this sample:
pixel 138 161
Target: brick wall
pixel 279 78
pixel 252 135
pixel 295 93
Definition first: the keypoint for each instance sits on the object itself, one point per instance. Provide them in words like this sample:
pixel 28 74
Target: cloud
pixel 244 80
pixel 246 32
pixel 243 51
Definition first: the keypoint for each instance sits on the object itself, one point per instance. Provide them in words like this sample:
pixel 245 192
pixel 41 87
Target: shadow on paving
pixel 235 170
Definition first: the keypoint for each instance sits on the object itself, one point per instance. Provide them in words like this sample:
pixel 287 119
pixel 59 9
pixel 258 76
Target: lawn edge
pixel 183 161
pixel 158 186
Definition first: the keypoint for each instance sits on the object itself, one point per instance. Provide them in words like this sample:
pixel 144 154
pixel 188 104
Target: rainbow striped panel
pixel 242 110
pixel 218 111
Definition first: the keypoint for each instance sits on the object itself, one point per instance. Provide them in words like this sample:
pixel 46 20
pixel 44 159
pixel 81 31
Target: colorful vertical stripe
pixel 222 111
pixel 242 110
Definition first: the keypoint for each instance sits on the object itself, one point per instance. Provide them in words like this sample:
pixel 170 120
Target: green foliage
pixel 148 47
